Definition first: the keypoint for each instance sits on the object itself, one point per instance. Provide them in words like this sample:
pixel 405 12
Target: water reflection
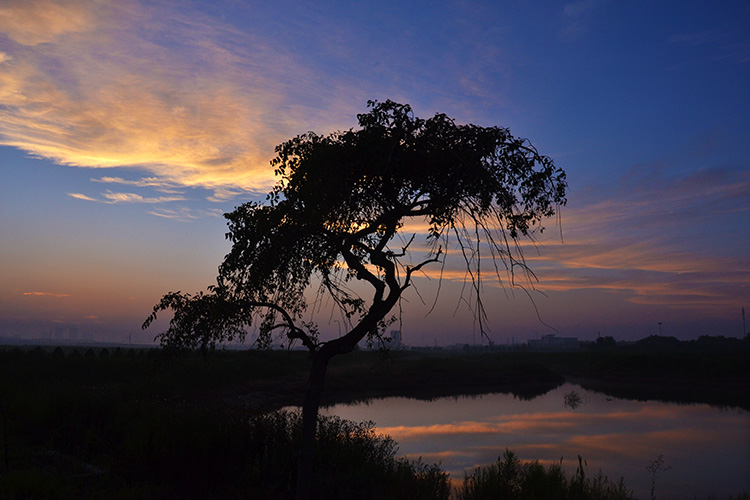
pixel 707 448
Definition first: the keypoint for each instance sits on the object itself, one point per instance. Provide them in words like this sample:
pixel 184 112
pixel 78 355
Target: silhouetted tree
pixel 659 343
pixel 338 213
pixel 606 342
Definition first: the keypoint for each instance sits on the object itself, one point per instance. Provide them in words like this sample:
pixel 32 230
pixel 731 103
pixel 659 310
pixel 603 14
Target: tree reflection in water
pixel 573 400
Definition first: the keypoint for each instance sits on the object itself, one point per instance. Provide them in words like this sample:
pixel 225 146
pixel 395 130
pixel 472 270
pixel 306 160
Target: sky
pixel 127 128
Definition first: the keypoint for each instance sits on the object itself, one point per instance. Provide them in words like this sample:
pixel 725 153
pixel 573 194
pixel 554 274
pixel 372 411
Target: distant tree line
pixel 659 343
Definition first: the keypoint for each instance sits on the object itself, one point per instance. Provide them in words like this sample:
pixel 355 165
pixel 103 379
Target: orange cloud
pixel 642 271
pixel 98 87
pixel 45 294
pixel 81 196
pixel 32 22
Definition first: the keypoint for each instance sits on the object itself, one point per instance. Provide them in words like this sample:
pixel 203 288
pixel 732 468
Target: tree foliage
pixel 337 214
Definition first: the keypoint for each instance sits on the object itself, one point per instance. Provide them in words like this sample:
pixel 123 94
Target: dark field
pixel 121 423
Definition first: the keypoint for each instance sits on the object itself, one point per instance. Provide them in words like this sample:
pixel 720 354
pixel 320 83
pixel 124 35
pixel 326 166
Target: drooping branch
pixel 204 319
pixel 294 332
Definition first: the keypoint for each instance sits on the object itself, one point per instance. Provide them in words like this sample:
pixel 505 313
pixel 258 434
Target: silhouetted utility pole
pixel 744 328
pixel 659 328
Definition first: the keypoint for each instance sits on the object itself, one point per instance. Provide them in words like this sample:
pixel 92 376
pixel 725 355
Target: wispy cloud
pixel 146 182
pixel 35 22
pixel 80 196
pixel 112 197
pixel 709 292
pixel 615 241
pixel 136 198
pixel 119 84
pixel 182 214
pixel 621 243
pixel 644 203
pixel 223 194
pixel 45 294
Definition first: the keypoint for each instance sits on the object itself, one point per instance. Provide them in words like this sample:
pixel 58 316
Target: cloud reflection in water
pixel 708 448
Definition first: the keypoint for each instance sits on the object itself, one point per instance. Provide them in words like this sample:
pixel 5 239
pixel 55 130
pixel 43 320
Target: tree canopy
pixel 337 214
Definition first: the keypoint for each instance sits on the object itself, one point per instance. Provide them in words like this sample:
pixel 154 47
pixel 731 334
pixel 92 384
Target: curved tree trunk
pixel 310 408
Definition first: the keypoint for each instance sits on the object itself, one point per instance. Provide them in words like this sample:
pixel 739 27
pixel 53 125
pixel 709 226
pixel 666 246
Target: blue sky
pixel 127 128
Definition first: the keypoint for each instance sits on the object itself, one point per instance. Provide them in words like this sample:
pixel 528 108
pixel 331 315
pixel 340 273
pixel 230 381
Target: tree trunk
pixel 310 408
pixel 311 404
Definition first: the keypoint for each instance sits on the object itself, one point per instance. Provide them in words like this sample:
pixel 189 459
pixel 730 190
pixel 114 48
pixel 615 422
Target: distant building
pixel 552 342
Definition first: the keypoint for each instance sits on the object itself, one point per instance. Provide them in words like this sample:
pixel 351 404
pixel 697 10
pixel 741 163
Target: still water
pixel 707 449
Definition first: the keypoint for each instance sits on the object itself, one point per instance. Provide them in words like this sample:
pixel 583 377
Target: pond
pixel 706 450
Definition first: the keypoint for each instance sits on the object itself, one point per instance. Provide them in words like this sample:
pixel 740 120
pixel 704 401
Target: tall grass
pixel 352 461
pixel 510 479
